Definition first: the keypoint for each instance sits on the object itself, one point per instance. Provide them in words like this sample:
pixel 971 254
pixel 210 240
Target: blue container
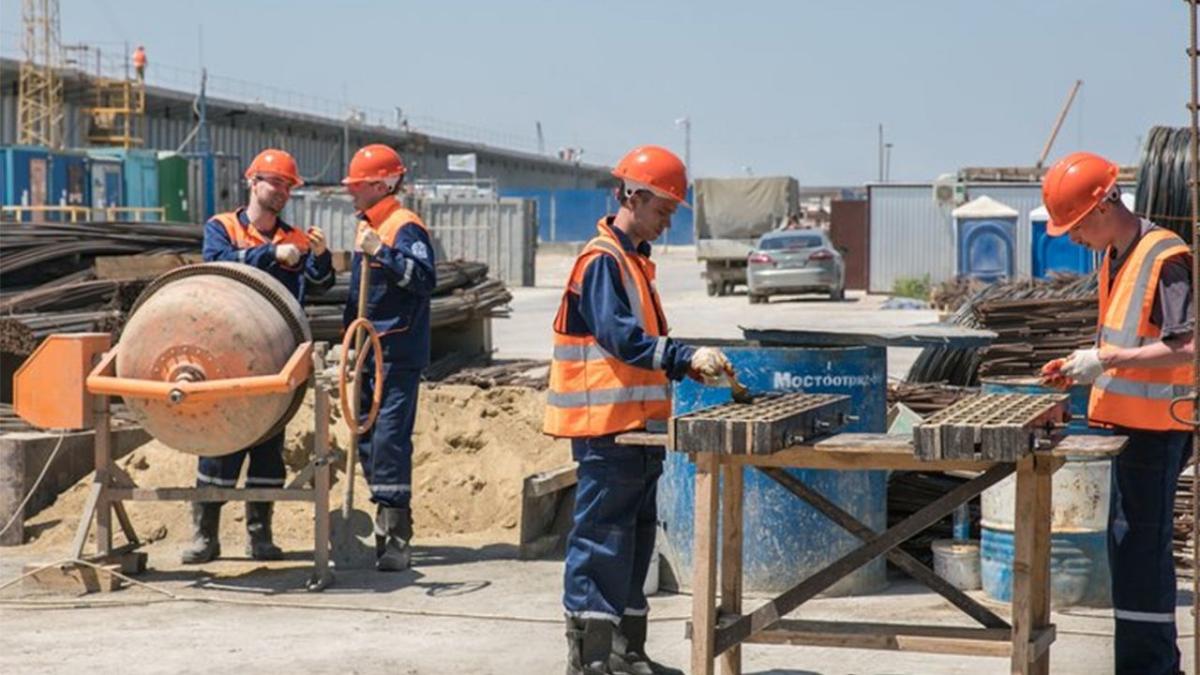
pixel 139 178
pixel 986 232
pixel 785 540
pixel 107 187
pixel 1079 573
pixel 1056 254
pixel 69 181
pixel 27 172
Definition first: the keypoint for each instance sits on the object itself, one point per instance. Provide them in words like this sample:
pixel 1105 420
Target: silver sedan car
pixel 789 262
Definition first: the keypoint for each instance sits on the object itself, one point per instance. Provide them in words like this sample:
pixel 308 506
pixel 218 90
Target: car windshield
pixel 791 241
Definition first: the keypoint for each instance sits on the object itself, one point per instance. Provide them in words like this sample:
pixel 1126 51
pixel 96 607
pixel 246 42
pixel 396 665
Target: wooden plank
pixel 1031 568
pixel 320 482
pixel 896 637
pixel 139 267
pixel 85 520
pixel 901 559
pixel 1090 446
pixel 789 600
pixel 101 421
pixel 126 523
pixel 704 570
pixel 896 458
pixel 643 438
pixel 211 494
pixel 547 482
pixel 731 556
pixel 73 578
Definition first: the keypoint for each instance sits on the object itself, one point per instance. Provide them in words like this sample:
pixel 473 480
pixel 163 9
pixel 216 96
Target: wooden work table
pixel 718 629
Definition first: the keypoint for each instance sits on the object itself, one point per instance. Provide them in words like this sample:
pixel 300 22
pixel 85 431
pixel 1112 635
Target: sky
pixel 771 88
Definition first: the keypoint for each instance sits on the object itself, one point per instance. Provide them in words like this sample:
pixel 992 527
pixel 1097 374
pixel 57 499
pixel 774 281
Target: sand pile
pixel 473 448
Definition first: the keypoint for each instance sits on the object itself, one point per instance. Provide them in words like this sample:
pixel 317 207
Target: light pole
pixel 887 162
pixel 686 123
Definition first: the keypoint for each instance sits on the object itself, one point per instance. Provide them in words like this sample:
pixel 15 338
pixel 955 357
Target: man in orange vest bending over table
pixel 1141 363
pixel 611 373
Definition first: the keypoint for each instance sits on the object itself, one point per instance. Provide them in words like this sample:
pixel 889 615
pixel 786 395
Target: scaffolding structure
pixel 40 90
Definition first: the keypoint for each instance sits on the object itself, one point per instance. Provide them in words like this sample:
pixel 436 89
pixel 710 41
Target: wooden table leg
pixel 731 557
pixel 704 563
pixel 1031 566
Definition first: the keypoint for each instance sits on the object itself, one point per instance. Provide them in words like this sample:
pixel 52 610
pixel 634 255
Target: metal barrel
pixel 785 540
pixel 1079 574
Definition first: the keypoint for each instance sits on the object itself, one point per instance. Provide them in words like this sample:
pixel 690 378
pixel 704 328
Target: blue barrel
pixel 786 540
pixel 1079 573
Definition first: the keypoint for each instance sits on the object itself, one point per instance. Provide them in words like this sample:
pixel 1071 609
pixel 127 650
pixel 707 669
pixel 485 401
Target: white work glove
pixel 1083 366
pixel 710 366
pixel 369 241
pixel 288 254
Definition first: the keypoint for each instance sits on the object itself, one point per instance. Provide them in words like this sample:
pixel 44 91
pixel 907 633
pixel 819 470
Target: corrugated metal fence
pixel 501 232
pixel 913 236
pixel 571 215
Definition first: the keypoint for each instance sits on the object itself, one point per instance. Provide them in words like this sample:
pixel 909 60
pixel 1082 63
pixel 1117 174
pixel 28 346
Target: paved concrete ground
pixel 470 606
pixel 466 608
pixel 692 314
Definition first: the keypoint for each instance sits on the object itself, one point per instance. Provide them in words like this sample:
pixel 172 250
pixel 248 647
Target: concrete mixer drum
pixel 213 321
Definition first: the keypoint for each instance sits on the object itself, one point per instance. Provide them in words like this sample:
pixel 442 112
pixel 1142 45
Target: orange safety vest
pixel 1138 398
pixel 248 236
pixel 593 393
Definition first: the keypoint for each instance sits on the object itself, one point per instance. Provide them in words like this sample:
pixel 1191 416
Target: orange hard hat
pixel 653 168
pixel 374 162
pixel 277 163
pixel 1074 186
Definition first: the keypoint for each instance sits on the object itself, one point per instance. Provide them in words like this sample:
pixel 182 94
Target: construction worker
pixel 402 279
pixel 139 63
pixel 610 373
pixel 1140 364
pixel 255 235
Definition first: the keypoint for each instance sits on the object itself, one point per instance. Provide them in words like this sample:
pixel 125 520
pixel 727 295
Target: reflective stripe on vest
pixel 1137 398
pixel 245 236
pixel 592 392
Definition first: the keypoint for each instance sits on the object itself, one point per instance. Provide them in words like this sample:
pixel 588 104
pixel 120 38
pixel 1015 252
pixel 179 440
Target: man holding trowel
pixel 611 373
pixel 1141 376
pixel 401 278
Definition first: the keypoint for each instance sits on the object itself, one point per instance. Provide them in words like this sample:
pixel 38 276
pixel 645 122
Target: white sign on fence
pixel 465 163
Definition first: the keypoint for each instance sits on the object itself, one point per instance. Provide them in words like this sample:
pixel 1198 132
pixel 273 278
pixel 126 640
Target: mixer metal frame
pixel 112 486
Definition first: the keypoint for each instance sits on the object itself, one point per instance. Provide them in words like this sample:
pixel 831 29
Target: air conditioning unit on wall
pixel 948 192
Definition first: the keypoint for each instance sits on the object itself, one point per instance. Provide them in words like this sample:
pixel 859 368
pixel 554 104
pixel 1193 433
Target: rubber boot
pixel 393 530
pixel 259 545
pixel 628 655
pixel 206 527
pixel 589 642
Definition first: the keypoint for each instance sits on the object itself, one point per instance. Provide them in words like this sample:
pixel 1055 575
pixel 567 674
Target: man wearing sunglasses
pixel 255 235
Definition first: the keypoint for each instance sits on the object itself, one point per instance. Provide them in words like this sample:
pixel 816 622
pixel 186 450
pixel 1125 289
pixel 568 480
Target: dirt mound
pixel 472 450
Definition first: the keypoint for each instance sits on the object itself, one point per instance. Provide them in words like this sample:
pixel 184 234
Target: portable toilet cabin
pixel 173 186
pixel 986 232
pixel 1055 254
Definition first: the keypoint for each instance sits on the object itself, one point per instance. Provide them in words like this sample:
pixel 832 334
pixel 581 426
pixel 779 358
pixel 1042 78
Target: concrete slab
pixel 467 607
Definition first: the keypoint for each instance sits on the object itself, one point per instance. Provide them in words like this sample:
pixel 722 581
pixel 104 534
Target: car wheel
pixel 712 288
pixel 837 294
pixel 757 299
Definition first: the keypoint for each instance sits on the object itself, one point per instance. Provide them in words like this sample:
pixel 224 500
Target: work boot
pixel 258 529
pixel 589 642
pixel 628 655
pixel 206 527
pixel 393 530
